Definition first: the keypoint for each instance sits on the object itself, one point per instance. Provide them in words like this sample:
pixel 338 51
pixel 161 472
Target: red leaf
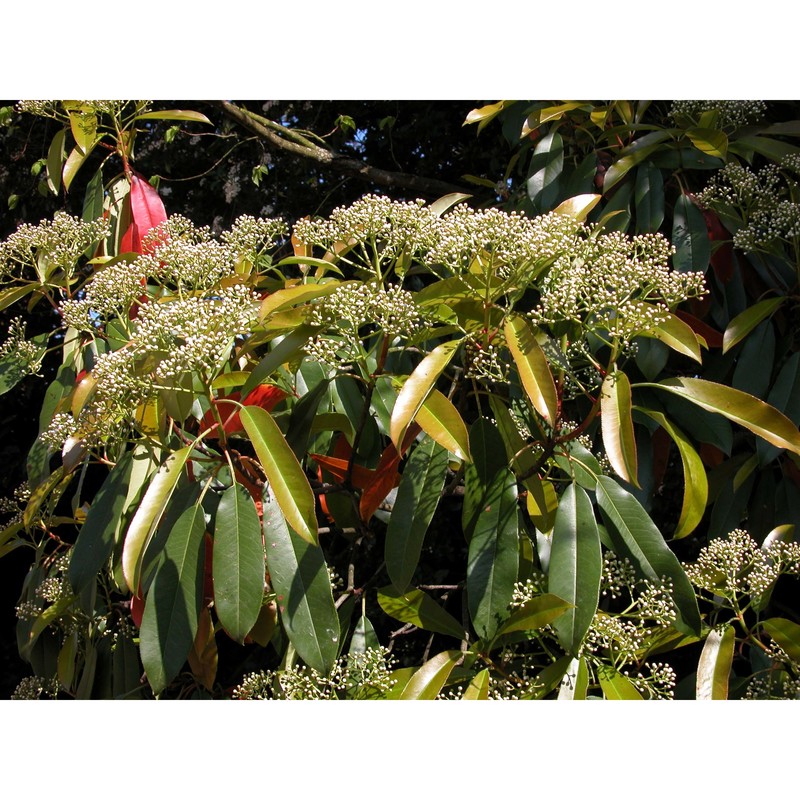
pixel 713 337
pixel 137 609
pixel 722 256
pixel 361 477
pixel 265 396
pixel 147 212
pixel 385 479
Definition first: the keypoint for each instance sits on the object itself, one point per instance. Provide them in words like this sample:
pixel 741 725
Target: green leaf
pixel 690 237
pixel 545 169
pixel 534 614
pixel 534 371
pixel 485 114
pixel 491 525
pixel 649 198
pixel 55 161
pixel 417 388
pixel 710 141
pixel 295 295
pixel 748 320
pixel 695 492
pixel 764 146
pixel 616 421
pixel 428 680
pixel 438 417
pixel 148 515
pixel 575 566
pixel 284 351
pixel 301 420
pixel 284 473
pixel 417 498
pixel 74 162
pixel 300 579
pixel 616 686
pixel 238 562
pixel 714 667
pixel 579 206
pixel 98 533
pixel 46 618
pixel 180 116
pixel 737 406
pixel 478 688
pixel 575 682
pixel 785 634
pixel 676 334
pixel 414 607
pixel 636 537
pixel 632 155
pixel 11 295
pixel 83 123
pixel 445 203
pixel 169 623
pixel 364 636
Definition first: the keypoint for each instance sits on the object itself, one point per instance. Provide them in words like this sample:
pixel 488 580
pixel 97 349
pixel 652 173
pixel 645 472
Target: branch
pixel 299 145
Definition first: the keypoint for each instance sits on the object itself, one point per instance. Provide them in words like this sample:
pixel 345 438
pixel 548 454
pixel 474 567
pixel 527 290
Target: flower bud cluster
pixel 375 227
pixel 22 356
pixel 52 244
pixel 34 688
pixel 615 283
pixel 250 237
pixel 730 113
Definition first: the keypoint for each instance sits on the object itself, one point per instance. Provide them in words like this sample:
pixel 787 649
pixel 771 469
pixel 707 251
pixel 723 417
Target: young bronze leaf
pixel 617 426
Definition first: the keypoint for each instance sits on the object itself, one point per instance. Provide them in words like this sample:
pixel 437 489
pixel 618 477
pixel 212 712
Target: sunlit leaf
pixel 177 115
pixel 478 688
pixel 428 680
pixel 748 320
pixel 714 667
pixel 284 473
pixel 534 614
pixel 786 634
pixel 632 155
pixel 575 566
pixel 636 537
pixel 299 576
pixel 414 607
pixel 712 142
pixel 619 438
pixel 534 371
pixel 617 686
pixel 438 417
pixel 579 206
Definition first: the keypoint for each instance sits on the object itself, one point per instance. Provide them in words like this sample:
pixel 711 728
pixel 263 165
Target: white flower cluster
pixel 34 688
pixel 170 338
pixel 737 565
pixel 615 283
pixel 730 113
pixel 56 243
pixel 533 586
pixel 357 676
pixel 387 228
pixel 618 576
pixel 22 356
pixel 509 245
pixel 54 109
pixel 484 361
pixel 776 685
pixel 355 305
pixel 250 237
pixel 759 199
pixel 658 683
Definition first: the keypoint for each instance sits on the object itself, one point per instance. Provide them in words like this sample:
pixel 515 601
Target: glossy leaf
pixel 712 142
pixel 176 115
pixel 74 162
pixel 417 388
pixel 364 636
pixel 545 170
pixel 203 657
pixel 616 421
pixel 428 680
pixel 445 203
pixel 295 295
pixel 737 406
pixel 417 499
pixel 695 491
pixel 786 634
pixel 635 536
pixel 491 527
pixel 485 114
pixel 632 155
pixel 748 320
pixel 616 686
pixel 575 566
pixel 649 198
pixel 288 348
pixel 99 531
pixel 534 371
pixel 579 206
pixel 169 624
pixel 478 688
pixel 238 562
pixel 534 614
pixel 55 161
pixel 414 607
pixel 299 577
pixel 284 473
pixel 677 335
pixel 575 682
pixel 385 479
pixel 438 417
pixel 714 667
pixel 148 515
pixel 690 237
